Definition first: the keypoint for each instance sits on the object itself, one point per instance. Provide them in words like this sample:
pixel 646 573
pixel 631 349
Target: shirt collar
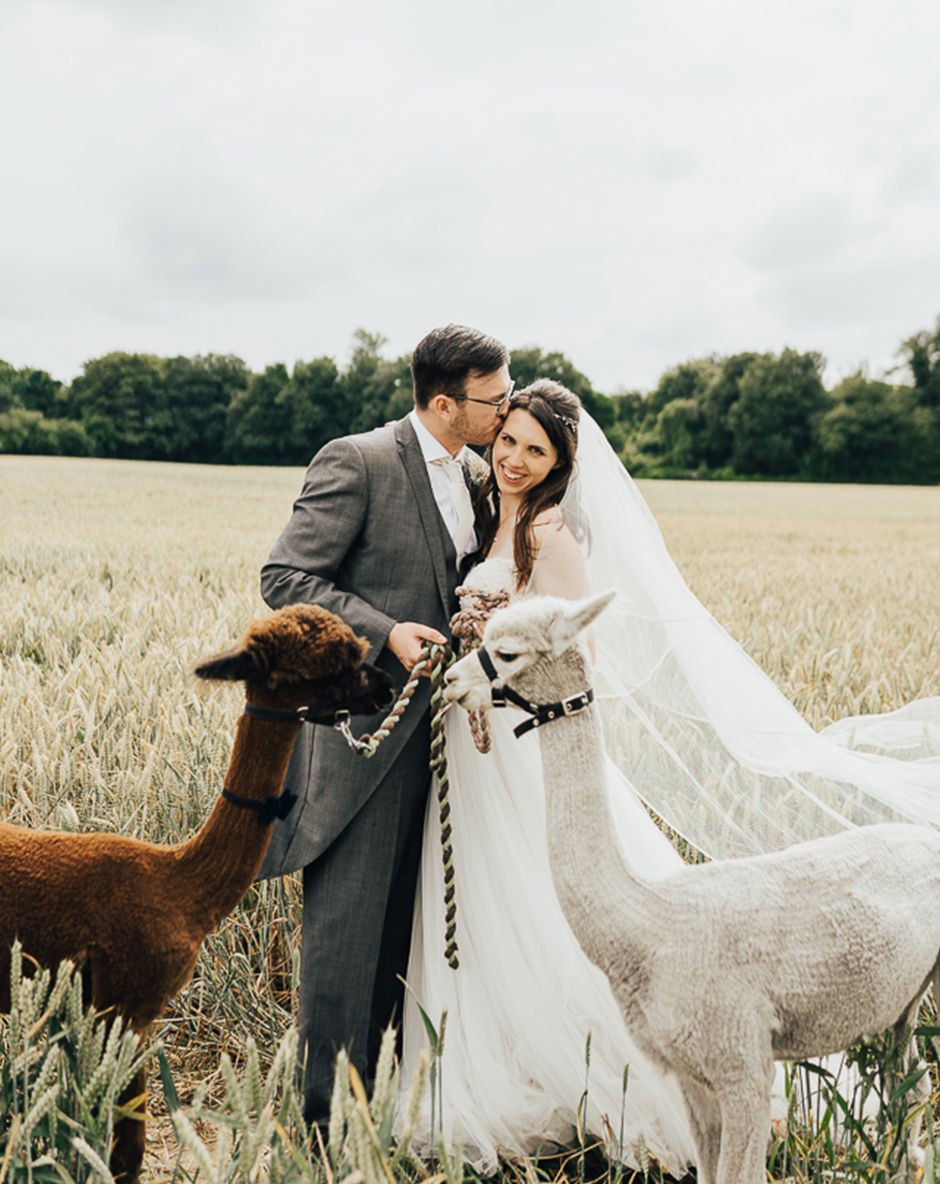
pixel 431 449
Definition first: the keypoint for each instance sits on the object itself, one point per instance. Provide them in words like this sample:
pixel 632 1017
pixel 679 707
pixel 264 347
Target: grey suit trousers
pixel 350 1000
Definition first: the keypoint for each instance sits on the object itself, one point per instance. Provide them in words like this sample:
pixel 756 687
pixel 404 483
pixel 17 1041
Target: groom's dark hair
pixel 445 358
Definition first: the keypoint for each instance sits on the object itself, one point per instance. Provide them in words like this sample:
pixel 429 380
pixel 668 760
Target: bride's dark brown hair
pixel 556 410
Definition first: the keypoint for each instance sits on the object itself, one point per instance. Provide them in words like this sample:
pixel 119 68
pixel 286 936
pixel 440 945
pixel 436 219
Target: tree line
pixel 740 415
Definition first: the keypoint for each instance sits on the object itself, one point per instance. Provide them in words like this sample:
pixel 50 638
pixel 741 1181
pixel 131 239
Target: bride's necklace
pixel 502 539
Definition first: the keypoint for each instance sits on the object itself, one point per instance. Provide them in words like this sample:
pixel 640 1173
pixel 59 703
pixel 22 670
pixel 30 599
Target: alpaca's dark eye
pixel 506 657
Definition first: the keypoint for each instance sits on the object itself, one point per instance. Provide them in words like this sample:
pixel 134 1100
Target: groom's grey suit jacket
pixel 366 541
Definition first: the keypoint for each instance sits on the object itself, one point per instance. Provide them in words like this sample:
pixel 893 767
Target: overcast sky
pixel 632 183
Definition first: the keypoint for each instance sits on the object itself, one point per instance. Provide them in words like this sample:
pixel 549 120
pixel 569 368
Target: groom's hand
pixel 407 638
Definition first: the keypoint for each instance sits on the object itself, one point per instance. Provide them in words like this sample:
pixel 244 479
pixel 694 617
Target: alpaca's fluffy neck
pixel 221 860
pixel 597 890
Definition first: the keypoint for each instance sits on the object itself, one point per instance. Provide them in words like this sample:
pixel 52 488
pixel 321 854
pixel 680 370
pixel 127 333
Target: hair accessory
pixel 570 423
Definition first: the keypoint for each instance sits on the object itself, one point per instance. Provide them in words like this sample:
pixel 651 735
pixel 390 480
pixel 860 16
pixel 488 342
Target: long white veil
pixel 703 734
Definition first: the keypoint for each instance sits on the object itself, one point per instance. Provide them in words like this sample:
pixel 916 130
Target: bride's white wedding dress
pixel 525 997
pixel 709 743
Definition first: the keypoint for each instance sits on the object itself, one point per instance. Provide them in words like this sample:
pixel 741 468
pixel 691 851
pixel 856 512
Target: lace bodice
pixel 559 569
pixel 492 575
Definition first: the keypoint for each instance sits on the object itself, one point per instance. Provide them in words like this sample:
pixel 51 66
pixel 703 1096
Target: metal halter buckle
pixel 342 723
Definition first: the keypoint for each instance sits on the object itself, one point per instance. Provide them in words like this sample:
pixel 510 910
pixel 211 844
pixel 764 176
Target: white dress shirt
pixel 432 451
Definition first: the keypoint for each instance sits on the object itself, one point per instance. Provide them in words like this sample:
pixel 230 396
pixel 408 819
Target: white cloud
pixel 631 184
pixel 815 230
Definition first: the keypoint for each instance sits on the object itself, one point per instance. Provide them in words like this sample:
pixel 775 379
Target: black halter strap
pixel 296 715
pixel 268 809
pixel 539 713
pixel 487 663
pixel 275 806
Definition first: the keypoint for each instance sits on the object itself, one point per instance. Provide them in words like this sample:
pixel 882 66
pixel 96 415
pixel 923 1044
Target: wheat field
pixel 117 577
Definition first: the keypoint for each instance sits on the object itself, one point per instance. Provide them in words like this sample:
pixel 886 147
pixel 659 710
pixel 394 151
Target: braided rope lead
pixel 436 659
pixel 368 743
pixel 441 657
pixel 467 628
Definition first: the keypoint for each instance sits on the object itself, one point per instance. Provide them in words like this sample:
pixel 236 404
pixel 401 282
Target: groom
pixel 375 536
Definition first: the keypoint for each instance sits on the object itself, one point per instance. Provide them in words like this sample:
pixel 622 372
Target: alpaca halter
pixel 294 715
pixel 268 809
pixel 275 807
pixel 540 713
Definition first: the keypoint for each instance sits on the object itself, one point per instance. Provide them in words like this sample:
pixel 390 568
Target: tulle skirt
pixel 525 999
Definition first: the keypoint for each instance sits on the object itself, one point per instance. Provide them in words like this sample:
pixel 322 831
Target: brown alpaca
pixel 133 914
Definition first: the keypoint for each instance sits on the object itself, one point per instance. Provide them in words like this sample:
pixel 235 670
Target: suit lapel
pixel 439 541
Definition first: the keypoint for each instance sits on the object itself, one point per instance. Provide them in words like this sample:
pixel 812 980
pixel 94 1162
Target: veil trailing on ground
pixel 704 736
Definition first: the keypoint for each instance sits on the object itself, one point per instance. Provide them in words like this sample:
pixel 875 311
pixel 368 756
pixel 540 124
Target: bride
pixel 693 729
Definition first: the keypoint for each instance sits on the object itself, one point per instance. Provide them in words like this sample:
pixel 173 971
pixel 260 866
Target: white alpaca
pixel 719 969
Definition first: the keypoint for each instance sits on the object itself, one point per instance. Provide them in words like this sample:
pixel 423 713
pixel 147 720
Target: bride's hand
pixel 407 638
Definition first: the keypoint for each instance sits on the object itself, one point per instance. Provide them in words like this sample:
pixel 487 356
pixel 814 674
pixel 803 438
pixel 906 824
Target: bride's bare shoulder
pixel 559 568
pixel 548 518
pixel 550 527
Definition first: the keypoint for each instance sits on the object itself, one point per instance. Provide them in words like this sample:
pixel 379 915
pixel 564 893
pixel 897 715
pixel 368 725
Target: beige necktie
pixel 460 496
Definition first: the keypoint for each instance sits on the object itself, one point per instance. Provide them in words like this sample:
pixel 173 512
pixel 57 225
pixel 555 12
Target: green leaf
pixel 429 1028
pixel 169 1086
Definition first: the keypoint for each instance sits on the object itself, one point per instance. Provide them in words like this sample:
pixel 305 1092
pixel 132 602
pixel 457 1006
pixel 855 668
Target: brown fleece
pixel 132 914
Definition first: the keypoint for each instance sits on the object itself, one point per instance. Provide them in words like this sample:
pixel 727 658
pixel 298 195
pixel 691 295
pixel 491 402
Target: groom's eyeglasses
pixel 494 403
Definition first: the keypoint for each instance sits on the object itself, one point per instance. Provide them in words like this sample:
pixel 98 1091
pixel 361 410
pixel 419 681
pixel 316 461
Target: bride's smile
pixel 523 455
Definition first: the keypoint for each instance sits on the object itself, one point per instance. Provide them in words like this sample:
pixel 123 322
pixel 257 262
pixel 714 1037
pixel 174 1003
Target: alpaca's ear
pixel 235 666
pixel 574 620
